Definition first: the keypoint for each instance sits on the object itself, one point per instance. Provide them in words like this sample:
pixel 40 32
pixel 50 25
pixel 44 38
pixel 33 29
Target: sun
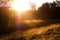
pixel 20 5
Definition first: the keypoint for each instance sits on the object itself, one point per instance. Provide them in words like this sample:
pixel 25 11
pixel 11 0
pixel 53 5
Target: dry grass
pixel 28 34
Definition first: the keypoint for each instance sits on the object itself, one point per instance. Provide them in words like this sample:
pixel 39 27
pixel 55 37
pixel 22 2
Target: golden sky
pixel 24 4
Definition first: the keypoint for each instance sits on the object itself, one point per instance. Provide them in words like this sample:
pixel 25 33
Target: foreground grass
pixel 50 32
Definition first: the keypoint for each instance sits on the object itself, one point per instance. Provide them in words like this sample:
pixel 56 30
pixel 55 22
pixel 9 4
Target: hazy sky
pixel 40 2
pixel 37 2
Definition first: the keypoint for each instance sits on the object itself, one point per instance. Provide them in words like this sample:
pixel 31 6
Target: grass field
pixel 51 32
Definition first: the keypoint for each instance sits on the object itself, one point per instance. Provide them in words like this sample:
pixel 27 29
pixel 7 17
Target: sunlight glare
pixel 20 5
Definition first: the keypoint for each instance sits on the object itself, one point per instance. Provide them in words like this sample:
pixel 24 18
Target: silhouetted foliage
pixel 49 11
pixel 4 21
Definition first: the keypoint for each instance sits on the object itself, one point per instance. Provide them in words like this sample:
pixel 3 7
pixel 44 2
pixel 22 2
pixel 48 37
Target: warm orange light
pixel 33 21
pixel 27 21
pixel 20 5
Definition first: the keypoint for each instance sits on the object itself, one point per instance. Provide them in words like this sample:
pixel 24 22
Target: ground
pixel 50 32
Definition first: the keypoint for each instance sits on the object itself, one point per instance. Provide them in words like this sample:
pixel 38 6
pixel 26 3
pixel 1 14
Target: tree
pixel 5 26
pixel 58 2
pixel 33 6
pixel 49 11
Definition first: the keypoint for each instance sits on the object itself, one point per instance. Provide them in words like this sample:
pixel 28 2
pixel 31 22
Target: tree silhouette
pixel 44 11
pixel 5 27
pixel 49 11
pixel 33 6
